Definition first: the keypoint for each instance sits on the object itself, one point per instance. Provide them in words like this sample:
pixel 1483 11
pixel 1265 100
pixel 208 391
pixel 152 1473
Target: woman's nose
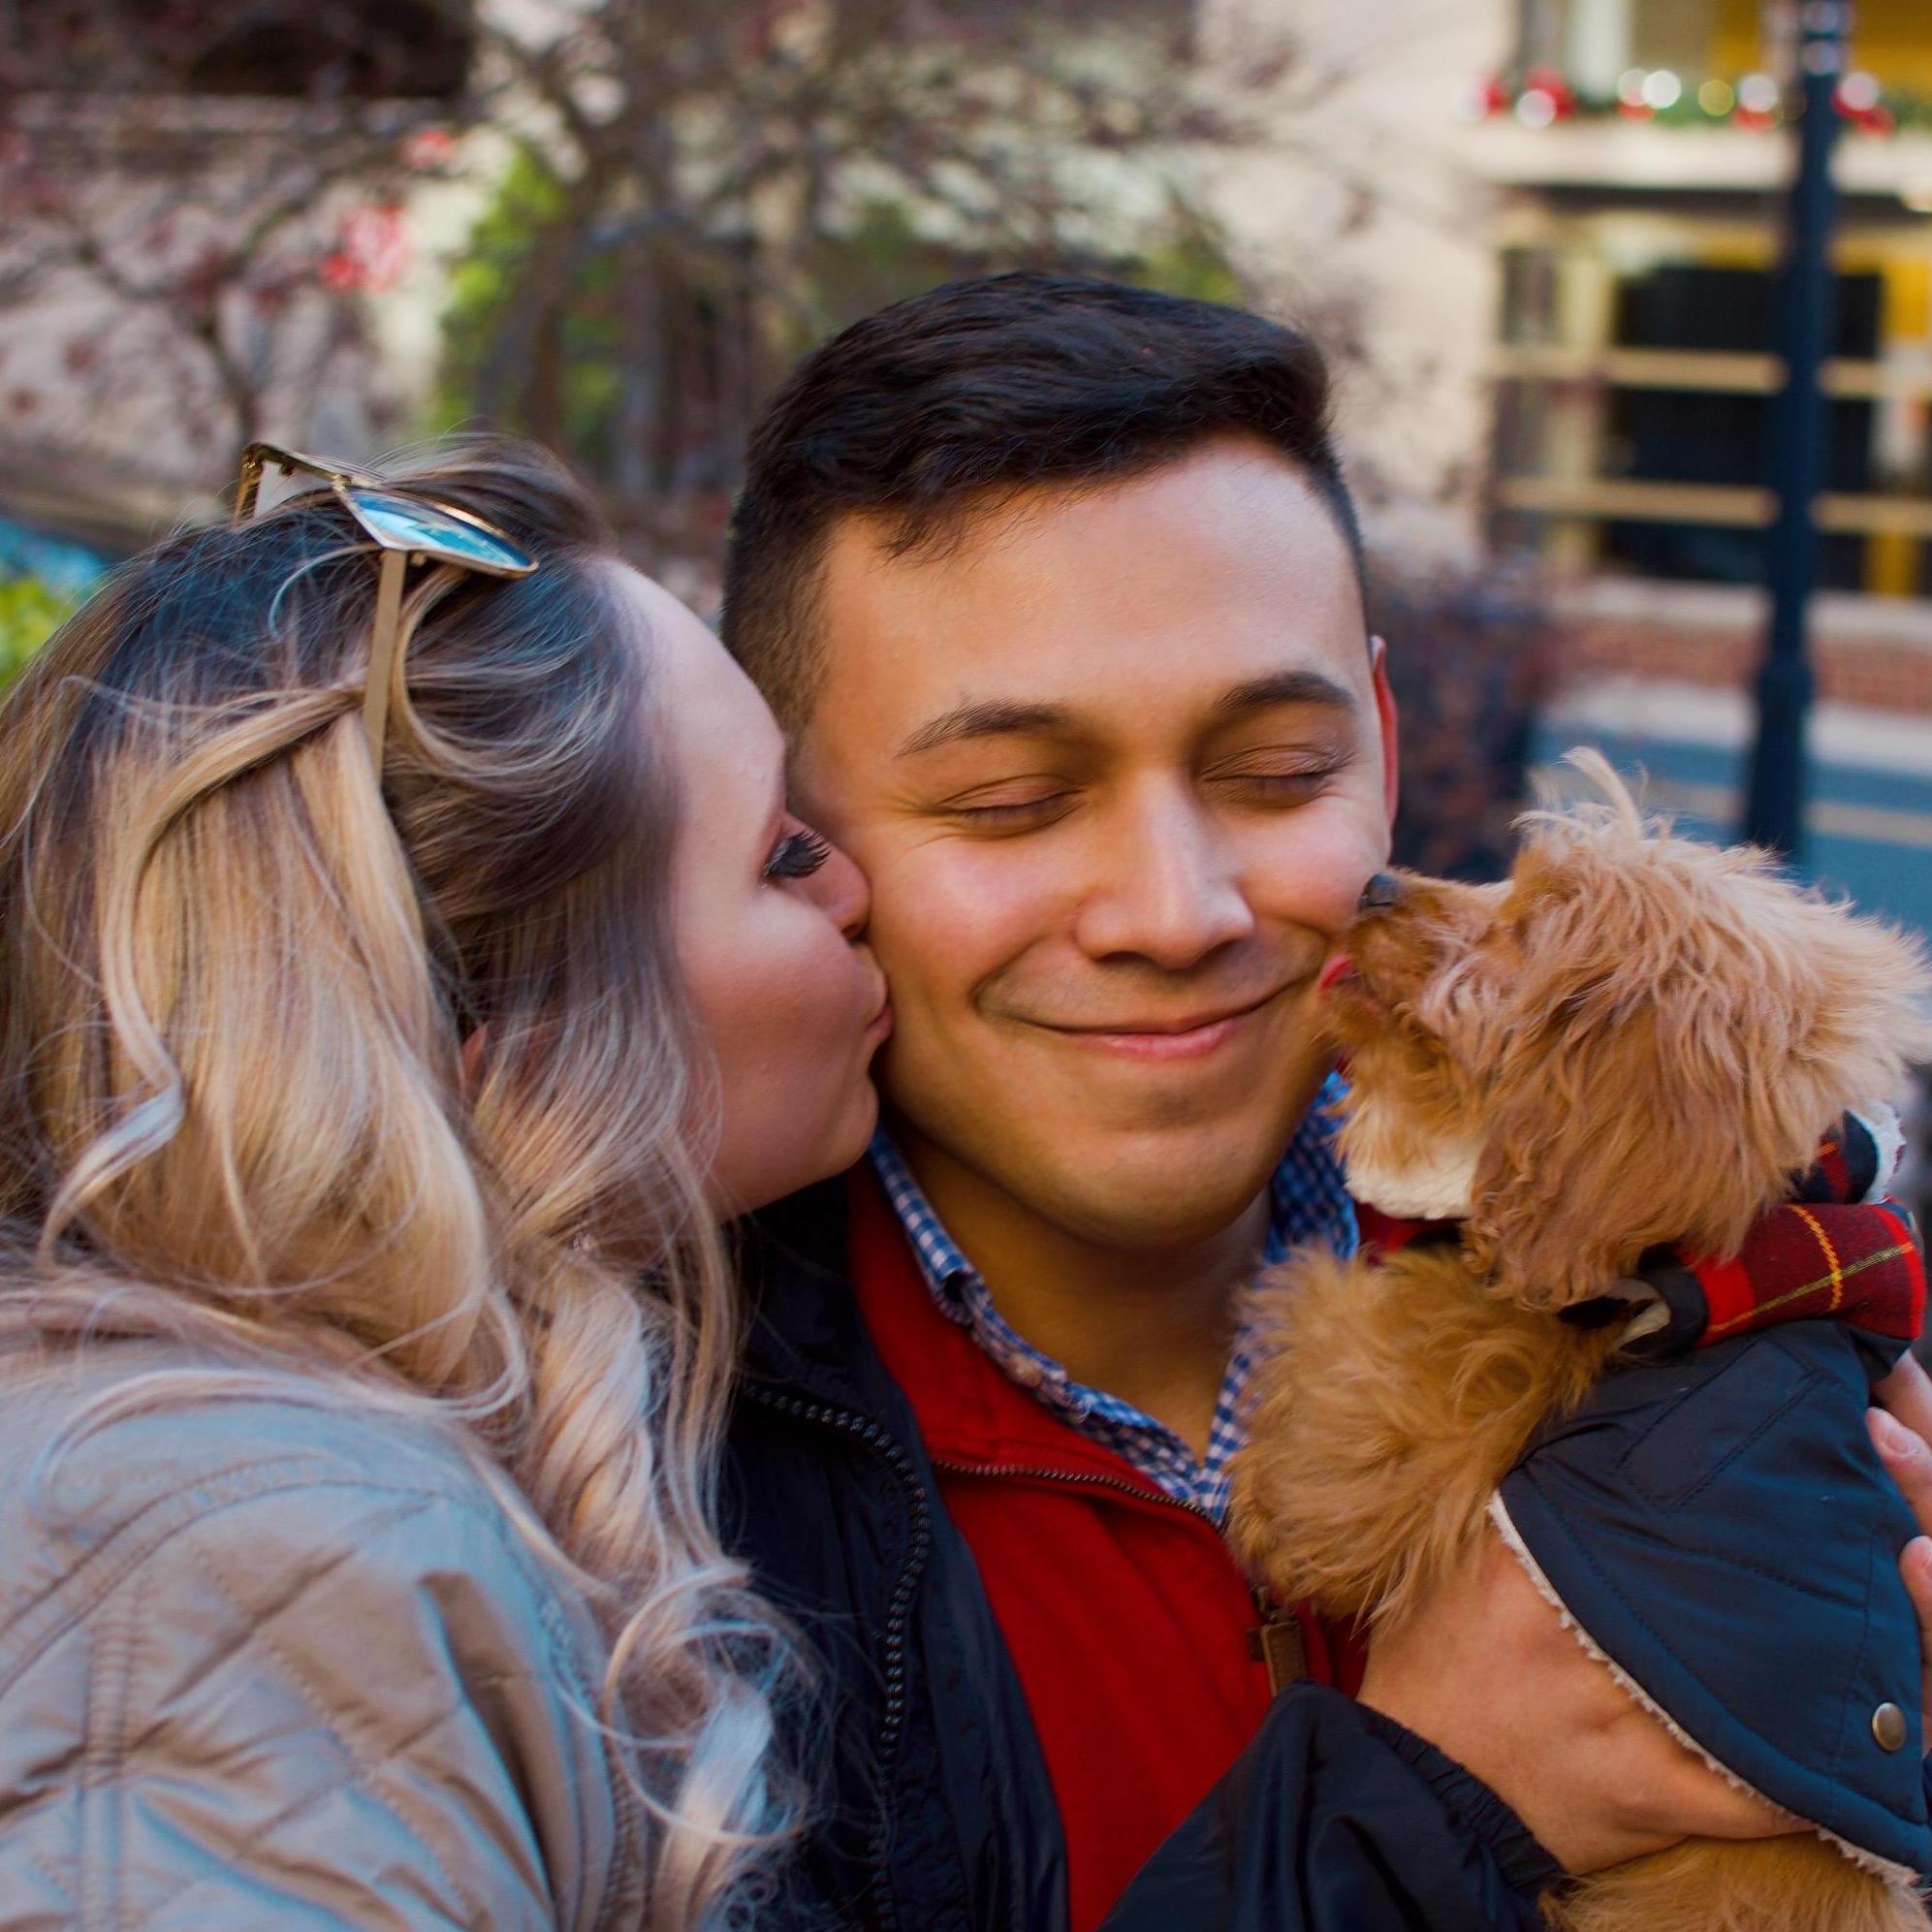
pixel 841 890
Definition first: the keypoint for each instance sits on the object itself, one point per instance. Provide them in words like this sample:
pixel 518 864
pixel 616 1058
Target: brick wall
pixel 1867 652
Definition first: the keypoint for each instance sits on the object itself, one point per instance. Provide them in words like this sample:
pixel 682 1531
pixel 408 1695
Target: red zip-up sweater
pixel 1129 1622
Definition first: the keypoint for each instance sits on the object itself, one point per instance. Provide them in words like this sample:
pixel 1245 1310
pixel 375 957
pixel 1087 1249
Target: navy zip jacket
pixel 934 1810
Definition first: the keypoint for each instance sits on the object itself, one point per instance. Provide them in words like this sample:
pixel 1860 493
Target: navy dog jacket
pixel 1720 1527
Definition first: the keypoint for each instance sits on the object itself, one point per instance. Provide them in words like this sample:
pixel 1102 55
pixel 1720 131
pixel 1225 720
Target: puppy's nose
pixel 1382 890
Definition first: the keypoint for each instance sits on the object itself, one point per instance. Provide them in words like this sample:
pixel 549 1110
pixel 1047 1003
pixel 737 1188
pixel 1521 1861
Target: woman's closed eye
pixel 798 855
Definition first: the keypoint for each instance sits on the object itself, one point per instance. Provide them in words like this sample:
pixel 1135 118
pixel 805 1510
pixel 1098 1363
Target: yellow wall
pixel 1736 47
pixel 1892 38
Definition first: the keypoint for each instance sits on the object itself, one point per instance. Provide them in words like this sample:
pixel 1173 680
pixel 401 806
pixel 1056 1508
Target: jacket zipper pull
pixel 1278 1643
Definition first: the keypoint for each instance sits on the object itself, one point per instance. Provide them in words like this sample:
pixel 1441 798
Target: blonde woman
pixel 405 953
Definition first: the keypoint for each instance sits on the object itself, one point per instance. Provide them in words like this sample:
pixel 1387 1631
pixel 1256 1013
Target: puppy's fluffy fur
pixel 1634 1039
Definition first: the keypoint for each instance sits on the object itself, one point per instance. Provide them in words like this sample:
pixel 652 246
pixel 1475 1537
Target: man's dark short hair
pixel 937 405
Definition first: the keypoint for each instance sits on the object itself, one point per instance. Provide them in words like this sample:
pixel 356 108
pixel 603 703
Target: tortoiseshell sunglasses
pixel 409 528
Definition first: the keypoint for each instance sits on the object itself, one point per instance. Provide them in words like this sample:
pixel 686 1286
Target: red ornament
pixel 372 250
pixel 428 147
pixel 1547 80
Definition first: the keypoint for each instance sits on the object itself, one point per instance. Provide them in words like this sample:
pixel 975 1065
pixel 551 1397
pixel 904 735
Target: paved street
pixel 1870 817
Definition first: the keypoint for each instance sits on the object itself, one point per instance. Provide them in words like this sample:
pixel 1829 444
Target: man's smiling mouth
pixel 1166 1037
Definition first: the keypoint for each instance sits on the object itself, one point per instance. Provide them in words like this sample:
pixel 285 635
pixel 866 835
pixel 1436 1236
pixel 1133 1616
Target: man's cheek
pixel 1312 873
pixel 955 912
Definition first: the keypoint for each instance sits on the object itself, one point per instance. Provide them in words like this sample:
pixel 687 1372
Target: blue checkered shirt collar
pixel 1308 1202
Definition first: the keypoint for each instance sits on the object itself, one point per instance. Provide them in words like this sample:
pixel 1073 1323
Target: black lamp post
pixel 1775 802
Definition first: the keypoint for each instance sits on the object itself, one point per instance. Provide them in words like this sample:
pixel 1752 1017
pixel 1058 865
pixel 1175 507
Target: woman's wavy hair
pixel 396 1080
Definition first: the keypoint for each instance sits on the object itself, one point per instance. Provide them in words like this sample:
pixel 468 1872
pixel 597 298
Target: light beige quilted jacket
pixel 264 1664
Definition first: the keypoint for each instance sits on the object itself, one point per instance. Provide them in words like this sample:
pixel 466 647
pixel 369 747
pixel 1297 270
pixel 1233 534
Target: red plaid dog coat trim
pixel 1824 1252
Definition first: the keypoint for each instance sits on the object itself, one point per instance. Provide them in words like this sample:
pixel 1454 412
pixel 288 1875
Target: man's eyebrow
pixel 1284 687
pixel 992 719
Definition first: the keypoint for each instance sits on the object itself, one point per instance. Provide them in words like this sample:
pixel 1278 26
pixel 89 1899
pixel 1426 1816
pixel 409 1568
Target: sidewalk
pixel 1870 814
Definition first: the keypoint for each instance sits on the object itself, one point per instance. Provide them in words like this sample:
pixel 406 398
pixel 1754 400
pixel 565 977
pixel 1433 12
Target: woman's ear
pixel 469 1062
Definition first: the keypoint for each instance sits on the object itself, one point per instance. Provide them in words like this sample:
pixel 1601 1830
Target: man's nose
pixel 1382 890
pixel 1173 895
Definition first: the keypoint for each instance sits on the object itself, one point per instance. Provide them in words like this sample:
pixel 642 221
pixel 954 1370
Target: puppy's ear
pixel 1687 1025
pixel 1597 1147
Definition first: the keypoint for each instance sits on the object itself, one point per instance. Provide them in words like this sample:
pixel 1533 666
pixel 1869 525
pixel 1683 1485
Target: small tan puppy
pixel 1635 1040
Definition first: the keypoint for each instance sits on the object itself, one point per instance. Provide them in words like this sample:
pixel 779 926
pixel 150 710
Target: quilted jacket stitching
pixel 68 1602
pixel 109 1685
pixel 78 1590
pixel 561 1660
pixel 212 1486
pixel 1810 1380
pixel 110 1657
pixel 289 1813
pixel 129 1664
pixel 337 1721
pixel 1649 1627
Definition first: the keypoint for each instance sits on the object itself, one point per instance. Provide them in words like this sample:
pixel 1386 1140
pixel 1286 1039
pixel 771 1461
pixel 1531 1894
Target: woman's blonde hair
pixel 395 1081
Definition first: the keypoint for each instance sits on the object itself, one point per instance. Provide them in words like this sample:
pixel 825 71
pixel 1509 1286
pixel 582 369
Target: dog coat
pixel 1715 1525
pixel 1720 1530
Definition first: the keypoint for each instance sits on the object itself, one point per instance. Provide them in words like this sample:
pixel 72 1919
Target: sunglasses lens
pixel 399 524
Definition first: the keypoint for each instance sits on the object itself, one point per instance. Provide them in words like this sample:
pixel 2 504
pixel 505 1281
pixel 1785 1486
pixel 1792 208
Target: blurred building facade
pixel 1539 233
pixel 202 212
pixel 1556 224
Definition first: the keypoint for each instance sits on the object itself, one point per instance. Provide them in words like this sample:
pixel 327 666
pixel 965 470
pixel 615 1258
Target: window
pixel 300 49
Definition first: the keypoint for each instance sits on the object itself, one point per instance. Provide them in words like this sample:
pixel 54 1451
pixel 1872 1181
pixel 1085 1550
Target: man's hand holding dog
pixel 1485 1670
pixel 1902 1430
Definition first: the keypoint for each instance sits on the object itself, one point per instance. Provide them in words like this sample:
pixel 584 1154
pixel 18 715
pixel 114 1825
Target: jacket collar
pixel 806 1335
pixel 969 1409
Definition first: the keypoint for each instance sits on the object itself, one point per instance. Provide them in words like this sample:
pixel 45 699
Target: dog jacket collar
pixel 1831 1250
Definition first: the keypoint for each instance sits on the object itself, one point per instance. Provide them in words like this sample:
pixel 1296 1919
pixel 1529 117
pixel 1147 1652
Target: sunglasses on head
pixel 409 527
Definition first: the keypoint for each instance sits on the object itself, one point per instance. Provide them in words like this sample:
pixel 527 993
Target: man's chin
pixel 1128 1203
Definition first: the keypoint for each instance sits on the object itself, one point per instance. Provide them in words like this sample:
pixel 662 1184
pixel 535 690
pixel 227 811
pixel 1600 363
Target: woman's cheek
pixel 810 1009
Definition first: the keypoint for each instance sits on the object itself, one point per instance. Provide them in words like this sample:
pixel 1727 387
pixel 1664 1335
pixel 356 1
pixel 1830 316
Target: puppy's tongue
pixel 1337 969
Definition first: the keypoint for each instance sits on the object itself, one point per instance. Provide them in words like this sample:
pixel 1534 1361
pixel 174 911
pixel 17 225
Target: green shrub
pixel 31 609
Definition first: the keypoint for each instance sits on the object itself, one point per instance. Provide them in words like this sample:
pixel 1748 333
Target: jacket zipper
pixel 1090 1479
pixel 1282 1666
pixel 874 1436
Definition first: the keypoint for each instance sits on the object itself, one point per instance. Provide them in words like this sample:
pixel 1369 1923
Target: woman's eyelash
pixel 798 855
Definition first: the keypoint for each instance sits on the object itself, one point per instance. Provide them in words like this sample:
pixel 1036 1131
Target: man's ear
pixel 1387 724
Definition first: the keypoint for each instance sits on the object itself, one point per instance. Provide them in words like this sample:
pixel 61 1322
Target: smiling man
pixel 1055 587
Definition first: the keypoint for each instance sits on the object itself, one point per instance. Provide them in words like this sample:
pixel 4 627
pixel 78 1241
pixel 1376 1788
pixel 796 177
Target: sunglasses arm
pixel 247 484
pixel 383 637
